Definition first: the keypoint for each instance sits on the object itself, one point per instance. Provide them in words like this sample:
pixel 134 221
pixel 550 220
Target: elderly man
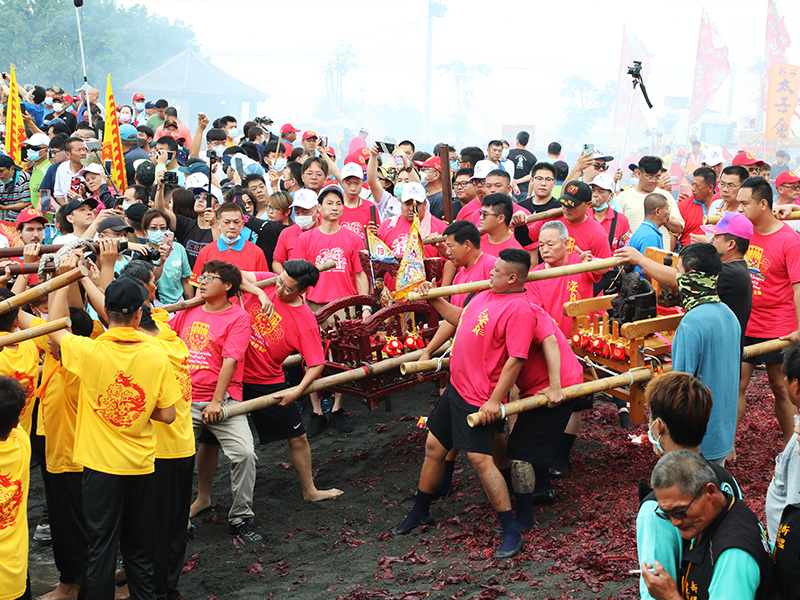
pixel 724 547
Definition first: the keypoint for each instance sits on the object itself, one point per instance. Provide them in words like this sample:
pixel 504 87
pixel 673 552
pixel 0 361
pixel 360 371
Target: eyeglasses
pixel 461 184
pixel 729 186
pixel 540 179
pixel 791 187
pixel 653 177
pixel 600 166
pixel 486 213
pixel 677 513
pixel 210 278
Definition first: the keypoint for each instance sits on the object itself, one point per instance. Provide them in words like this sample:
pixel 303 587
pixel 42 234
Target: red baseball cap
pixel 434 162
pixel 330 152
pixel 356 157
pixel 289 128
pixel 30 214
pixel 68 99
pixel 309 134
pixel 787 177
pixel 745 159
pixel 138 97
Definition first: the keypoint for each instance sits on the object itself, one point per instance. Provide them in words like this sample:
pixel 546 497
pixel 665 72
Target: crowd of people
pixel 124 406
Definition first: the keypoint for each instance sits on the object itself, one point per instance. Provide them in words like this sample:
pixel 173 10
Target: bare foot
pixel 63 591
pixel 319 495
pixel 199 506
pixel 120 577
pixel 122 593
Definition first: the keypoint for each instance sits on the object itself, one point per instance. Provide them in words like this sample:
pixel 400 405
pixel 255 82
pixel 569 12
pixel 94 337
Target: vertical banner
pixel 710 69
pixel 776 43
pixel 782 88
pixel 112 144
pixel 15 127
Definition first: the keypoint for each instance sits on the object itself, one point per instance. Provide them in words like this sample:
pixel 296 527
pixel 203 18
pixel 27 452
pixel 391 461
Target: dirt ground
pixel 342 549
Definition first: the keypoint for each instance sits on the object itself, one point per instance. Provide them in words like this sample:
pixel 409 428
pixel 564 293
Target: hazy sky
pixel 530 47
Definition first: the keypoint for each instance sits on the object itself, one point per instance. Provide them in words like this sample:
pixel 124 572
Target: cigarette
pixel 639 571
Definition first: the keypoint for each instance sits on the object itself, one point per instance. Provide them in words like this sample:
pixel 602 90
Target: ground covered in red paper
pixel 343 550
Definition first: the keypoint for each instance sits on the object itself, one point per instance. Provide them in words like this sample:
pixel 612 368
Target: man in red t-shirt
pixel 331 241
pixel 306 217
pixel 231 247
pixel 357 212
pixel 697 206
pixel 495 216
pixel 30 225
pixel 394 232
pixel 489 350
pixel 774 262
pixel 602 192
pixel 273 337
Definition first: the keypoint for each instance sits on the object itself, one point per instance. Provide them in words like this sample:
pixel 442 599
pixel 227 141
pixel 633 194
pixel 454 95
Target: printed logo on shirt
pixel 334 254
pixel 571 246
pixel 400 244
pixel 356 227
pixel 198 337
pixel 28 384
pixel 185 381
pixel 572 289
pixel 757 264
pixel 266 331
pixel 123 403
pixel 11 494
pixel 483 319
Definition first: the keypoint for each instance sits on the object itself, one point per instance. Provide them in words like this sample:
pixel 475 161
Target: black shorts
pixel 273 422
pixel 448 424
pixel 770 357
pixel 537 433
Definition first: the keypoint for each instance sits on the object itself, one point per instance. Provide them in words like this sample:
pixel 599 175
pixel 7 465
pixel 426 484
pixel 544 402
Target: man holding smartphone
pixel 166 157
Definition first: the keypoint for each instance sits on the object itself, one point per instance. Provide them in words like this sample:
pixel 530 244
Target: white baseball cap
pixel 604 181
pixel 198 183
pixel 414 191
pixel 352 170
pixel 38 139
pixel 91 168
pixel 482 169
pixel 712 157
pixel 305 198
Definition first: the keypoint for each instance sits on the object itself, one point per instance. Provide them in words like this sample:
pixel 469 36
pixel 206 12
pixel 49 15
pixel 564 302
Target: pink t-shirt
pixel 534 377
pixel 273 339
pixel 469 212
pixel 287 239
pixel 622 231
pixel 211 337
pixel 589 235
pixel 356 219
pixel 489 332
pixel 477 272
pixel 551 294
pixel 341 247
pixel 774 263
pixel 397 237
pixel 494 249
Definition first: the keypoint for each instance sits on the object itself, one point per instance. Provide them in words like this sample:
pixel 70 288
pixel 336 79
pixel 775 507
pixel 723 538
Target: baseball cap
pixel 786 177
pixel 137 97
pixel 38 140
pixel 414 191
pixel 330 152
pixel 128 133
pixel 125 295
pixel 733 224
pixel 308 135
pixel 482 169
pixel 434 162
pixel 352 170
pixel 135 212
pixel 604 181
pixel 600 156
pixel 150 104
pixel 7 162
pixel 72 205
pixel 173 122
pixel 575 193
pixel 145 172
pixel 357 157
pixel 363 130
pixel 30 214
pixel 712 157
pixel 91 168
pixel 331 187
pixel 305 198
pixel 388 172
pixel 289 128
pixel 115 224
pixel 745 159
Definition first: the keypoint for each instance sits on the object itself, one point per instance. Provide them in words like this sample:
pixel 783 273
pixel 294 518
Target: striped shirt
pixel 14 192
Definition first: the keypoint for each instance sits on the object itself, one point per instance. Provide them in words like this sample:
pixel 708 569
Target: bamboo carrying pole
pixel 17 250
pixel 423 366
pixel 795 216
pixel 764 348
pixel 43 289
pixel 198 301
pixel 34 332
pixel 553 213
pixel 477 286
pixel 30 268
pixel 383 366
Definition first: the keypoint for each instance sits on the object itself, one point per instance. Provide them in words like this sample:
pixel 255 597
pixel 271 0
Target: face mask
pixel 453 166
pixel 126 205
pixel 156 236
pixel 139 106
pixel 697 288
pixel 656 442
pixel 398 189
pixel 141 143
pixel 58 107
pixel 281 185
pixel 425 181
pixel 305 222
pixel 9 180
pixel 229 241
pixel 48 101
pixel 219 149
pixel 34 155
pixel 280 164
pixel 124 118
pixel 232 133
pixel 504 154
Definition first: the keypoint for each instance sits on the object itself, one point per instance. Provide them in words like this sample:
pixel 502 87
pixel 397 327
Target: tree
pixel 41 39
pixel 586 106
pixel 336 68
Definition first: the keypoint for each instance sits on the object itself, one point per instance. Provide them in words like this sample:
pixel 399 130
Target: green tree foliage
pixel 41 39
pixel 585 106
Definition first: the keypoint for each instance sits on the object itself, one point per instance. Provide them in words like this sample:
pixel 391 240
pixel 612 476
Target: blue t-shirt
pixel 170 287
pixel 36 111
pixel 646 236
pixel 49 180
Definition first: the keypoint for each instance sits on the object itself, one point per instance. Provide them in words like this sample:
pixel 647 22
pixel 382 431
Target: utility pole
pixel 435 9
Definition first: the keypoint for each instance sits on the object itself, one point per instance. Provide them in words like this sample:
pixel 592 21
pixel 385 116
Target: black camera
pixel 152 255
pixel 170 178
pixel 212 156
pixel 636 69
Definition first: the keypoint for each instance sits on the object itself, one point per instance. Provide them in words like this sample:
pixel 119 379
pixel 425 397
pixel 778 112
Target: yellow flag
pixel 15 127
pixel 112 144
pixel 411 271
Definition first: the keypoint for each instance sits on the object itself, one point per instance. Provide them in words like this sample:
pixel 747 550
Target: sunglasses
pixel 677 513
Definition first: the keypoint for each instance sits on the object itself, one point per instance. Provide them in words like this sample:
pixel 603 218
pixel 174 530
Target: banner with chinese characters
pixel 782 88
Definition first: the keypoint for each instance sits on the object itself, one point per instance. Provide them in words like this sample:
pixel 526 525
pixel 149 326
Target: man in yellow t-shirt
pixel 126 383
pixel 15 459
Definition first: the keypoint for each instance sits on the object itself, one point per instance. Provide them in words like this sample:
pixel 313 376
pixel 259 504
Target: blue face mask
pixel 48 101
pixel 156 236
pixel 139 106
pixel 232 133
pixel 280 164
pixel 453 166
pixel 656 442
pixel 229 241
pixel 504 154
pixel 398 189
pixel 34 155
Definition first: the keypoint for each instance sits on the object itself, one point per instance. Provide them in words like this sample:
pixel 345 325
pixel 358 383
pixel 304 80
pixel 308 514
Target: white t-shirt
pixel 64 177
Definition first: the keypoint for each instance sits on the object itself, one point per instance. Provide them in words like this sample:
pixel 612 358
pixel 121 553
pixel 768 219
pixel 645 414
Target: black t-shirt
pixel 523 165
pixel 67 117
pixel 735 289
pixel 528 204
pixel 192 236
pixel 131 156
pixel 267 232
pixel 787 555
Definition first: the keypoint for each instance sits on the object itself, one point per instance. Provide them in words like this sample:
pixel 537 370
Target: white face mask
pixel 57 107
pixel 305 222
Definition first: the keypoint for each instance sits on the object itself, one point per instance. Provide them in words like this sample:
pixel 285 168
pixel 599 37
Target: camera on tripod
pixel 636 70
